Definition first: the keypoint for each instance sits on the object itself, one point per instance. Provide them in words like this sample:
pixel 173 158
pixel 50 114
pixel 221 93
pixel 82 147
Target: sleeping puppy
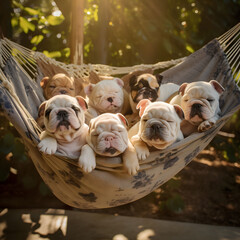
pixel 65 125
pixel 59 84
pixel 200 104
pixel 106 96
pixel 159 127
pixel 108 136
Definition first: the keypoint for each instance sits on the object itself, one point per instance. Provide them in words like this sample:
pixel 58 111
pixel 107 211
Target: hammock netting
pixel 109 185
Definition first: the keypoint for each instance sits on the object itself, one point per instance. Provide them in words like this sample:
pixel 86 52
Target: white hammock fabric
pixel 108 185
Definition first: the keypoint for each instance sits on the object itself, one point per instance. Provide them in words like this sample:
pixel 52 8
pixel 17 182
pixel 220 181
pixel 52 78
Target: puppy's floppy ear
pixel 142 105
pixel 123 119
pixel 218 87
pixel 82 102
pixel 182 89
pixel 89 88
pixel 159 78
pixel 132 80
pixel 41 109
pixel 119 81
pixel 44 82
pixel 179 111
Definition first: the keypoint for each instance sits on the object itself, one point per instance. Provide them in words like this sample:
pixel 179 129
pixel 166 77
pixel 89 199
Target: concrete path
pixel 75 225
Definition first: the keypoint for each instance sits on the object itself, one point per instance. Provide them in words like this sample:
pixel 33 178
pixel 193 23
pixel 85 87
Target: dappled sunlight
pixel 146 234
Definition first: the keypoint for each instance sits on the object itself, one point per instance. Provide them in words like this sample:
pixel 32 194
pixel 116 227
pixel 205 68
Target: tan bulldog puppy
pixel 65 126
pixel 200 104
pixel 59 84
pixel 106 96
pixel 108 136
pixel 159 127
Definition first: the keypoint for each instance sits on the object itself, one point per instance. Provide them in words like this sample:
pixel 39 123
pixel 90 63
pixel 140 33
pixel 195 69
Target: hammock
pixel 108 185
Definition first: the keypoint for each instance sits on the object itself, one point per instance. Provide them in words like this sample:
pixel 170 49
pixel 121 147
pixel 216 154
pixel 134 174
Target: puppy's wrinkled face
pixel 106 95
pixel 144 86
pixel 108 134
pixel 160 124
pixel 200 100
pixel 63 116
pixel 57 85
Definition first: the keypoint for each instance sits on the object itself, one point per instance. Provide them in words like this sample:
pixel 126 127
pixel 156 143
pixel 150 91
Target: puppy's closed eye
pixel 47 112
pixel 76 109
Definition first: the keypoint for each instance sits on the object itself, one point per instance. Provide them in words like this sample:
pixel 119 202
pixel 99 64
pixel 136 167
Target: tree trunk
pixel 5 18
pixel 102 43
pixel 77 30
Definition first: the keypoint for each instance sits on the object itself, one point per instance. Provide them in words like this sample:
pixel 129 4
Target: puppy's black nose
pixel 62 114
pixel 63 91
pixel 110 99
pixel 156 127
pixel 196 106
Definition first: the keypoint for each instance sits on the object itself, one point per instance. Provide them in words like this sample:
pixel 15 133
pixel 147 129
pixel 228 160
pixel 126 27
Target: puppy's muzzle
pixel 111 150
pixel 146 93
pixel 110 99
pixel 155 131
pixel 196 110
pixel 63 91
pixel 62 117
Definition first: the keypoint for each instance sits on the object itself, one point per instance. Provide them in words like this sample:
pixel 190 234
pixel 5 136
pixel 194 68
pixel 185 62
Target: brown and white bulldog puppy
pixel 59 84
pixel 144 86
pixel 159 127
pixel 200 104
pixel 65 126
pixel 148 86
pixel 108 136
pixel 106 96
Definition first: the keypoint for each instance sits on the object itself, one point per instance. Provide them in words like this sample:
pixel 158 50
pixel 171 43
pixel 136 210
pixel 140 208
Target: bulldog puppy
pixel 144 86
pixel 108 136
pixel 106 96
pixel 65 125
pixel 200 104
pixel 159 127
pixel 59 84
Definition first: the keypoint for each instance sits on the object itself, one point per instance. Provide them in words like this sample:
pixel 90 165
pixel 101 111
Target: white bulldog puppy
pixel 108 136
pixel 65 125
pixel 106 96
pixel 200 104
pixel 159 127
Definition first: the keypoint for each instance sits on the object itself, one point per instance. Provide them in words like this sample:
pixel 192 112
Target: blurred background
pixel 125 33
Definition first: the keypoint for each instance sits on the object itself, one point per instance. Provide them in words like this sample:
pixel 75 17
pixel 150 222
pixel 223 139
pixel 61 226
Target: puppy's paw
pixel 87 160
pixel 48 145
pixel 86 164
pixel 204 126
pixel 132 167
pixel 142 152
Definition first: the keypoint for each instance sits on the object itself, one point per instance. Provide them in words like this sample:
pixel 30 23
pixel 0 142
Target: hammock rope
pixel 108 185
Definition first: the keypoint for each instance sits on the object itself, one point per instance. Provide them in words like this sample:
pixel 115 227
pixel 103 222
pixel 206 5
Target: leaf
pixel 14 21
pixel 32 11
pixel 55 20
pixel 37 39
pixel 53 54
pixel 25 25
pixel 189 48
pixel 66 52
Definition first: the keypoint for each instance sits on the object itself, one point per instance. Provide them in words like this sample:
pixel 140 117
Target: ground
pixel 206 191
